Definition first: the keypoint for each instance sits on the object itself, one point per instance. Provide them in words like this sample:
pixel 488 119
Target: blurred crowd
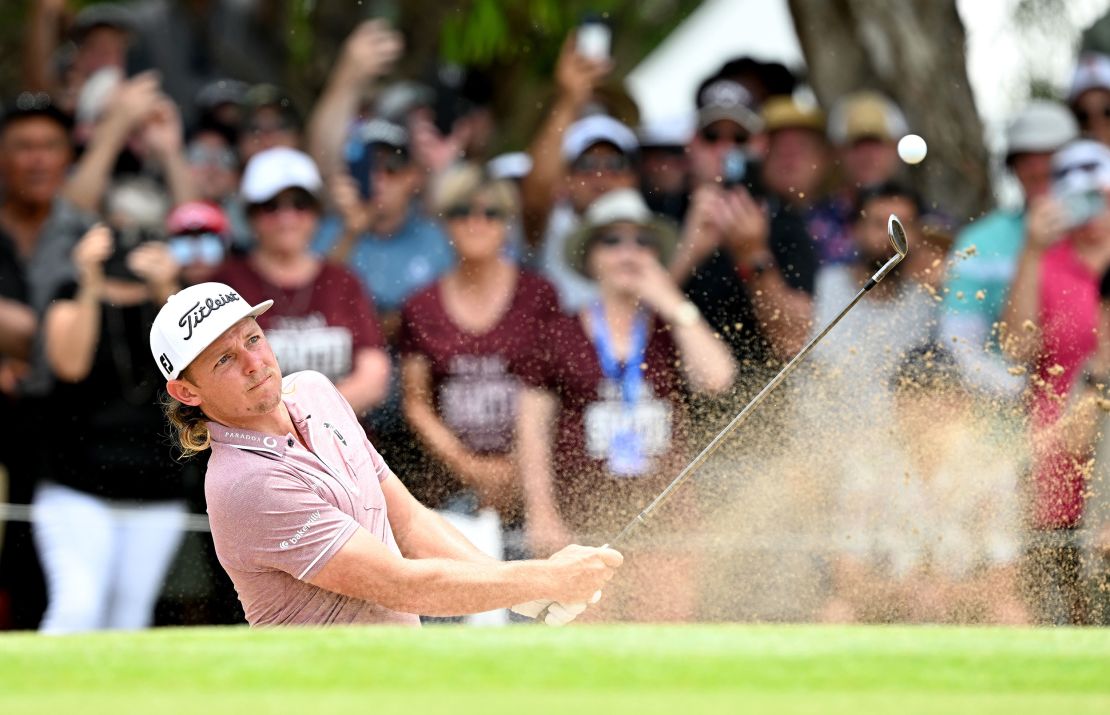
pixel 538 341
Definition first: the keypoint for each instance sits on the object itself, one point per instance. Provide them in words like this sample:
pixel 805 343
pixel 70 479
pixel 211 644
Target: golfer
pixel 308 520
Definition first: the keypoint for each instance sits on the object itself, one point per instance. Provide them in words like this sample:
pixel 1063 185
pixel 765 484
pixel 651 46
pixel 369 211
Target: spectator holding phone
pixel 108 517
pixel 1054 326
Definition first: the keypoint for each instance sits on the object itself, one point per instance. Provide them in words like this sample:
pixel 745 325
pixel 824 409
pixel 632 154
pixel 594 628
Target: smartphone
pixel 734 168
pixel 1081 207
pixel 124 241
pixel 593 39
pixel 360 164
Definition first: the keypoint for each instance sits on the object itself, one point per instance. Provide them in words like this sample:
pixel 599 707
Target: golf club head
pixel 897 235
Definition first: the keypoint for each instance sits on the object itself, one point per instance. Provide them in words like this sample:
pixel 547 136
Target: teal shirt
pixel 998 239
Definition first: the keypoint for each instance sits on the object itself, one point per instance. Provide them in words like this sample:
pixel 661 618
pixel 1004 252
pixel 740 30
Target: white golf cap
pixel 192 320
pixel 1092 72
pixel 272 171
pixel 597 129
pixel 1083 165
pixel 1043 126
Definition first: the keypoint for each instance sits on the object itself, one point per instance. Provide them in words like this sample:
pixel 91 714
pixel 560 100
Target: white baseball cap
pixel 192 320
pixel 1092 72
pixel 272 171
pixel 1043 126
pixel 1083 165
pixel 597 129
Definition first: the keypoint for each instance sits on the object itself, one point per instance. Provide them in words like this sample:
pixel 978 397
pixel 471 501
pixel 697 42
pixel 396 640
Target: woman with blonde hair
pixel 463 340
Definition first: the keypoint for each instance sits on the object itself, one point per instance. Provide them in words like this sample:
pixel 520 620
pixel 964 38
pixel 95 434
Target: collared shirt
pixel 280 512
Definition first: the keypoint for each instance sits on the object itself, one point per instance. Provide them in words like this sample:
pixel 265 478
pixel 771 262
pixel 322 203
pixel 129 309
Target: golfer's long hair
pixel 190 426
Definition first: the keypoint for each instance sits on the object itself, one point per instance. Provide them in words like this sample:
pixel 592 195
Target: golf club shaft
pixel 739 419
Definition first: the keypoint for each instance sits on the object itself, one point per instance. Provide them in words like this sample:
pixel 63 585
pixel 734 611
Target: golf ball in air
pixel 912 149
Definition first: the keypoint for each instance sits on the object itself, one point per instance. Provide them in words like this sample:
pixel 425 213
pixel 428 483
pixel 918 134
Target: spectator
pixel 797 162
pixel 602 425
pixel 1054 319
pixel 1089 96
pixel 368 53
pixel 214 167
pixel 664 168
pixel 383 234
pixel 897 316
pixel 35 153
pixel 137 128
pixel 198 240
pixel 733 230
pixel 321 320
pixel 864 127
pixel 985 255
pixel 104 566
pixel 928 527
pixel 464 339
pixel 577 156
pixel 269 120
pixel 101 35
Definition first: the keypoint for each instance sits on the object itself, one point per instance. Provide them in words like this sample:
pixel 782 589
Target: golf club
pixel 897 235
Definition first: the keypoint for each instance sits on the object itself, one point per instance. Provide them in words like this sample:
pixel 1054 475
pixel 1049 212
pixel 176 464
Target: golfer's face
pixel 237 376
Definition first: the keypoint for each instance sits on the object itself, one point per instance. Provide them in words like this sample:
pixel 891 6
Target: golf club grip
pixel 641 519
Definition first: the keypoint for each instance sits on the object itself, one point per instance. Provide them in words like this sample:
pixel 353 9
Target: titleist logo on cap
pixel 195 315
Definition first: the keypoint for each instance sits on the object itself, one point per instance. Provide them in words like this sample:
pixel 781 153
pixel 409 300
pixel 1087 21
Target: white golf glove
pixel 558 614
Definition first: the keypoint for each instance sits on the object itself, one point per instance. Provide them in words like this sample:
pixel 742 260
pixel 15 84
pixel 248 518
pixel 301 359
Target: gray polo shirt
pixel 279 511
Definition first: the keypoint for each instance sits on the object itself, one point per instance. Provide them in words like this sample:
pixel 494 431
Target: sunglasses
pixel 187 249
pixel 714 136
pixel 296 202
pixel 490 213
pixel 600 164
pixel 640 240
pixel 1084 116
pixel 391 163
pixel 206 156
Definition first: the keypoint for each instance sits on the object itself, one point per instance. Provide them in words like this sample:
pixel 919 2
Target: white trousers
pixel 104 568
pixel 484 531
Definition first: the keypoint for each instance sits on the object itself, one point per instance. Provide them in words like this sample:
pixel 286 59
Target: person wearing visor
pixel 1058 326
pixel 197 238
pixel 308 520
pixel 602 423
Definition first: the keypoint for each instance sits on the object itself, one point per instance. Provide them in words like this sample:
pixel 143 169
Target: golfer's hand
pixel 578 572
pixel 553 613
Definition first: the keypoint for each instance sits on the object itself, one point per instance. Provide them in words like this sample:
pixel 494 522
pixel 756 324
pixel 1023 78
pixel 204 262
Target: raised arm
pixel 72 327
pixel 576 78
pixel 1022 338
pixel 41 40
pixel 368 53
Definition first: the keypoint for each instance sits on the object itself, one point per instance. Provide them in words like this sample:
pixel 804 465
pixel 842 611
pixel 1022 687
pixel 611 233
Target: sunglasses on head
pixel 713 136
pixel 298 202
pixel 641 239
pixel 466 211
pixel 1084 116
pixel 600 164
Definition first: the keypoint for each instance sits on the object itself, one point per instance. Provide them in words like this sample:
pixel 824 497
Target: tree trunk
pixel 913 51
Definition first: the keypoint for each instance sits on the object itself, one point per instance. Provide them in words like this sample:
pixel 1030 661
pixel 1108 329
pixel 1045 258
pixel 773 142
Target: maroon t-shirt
pixel 474 376
pixel 319 326
pixel 592 492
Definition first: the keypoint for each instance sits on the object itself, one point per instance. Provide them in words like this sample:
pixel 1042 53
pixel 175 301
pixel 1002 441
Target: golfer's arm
pixel 423 534
pixel 365 569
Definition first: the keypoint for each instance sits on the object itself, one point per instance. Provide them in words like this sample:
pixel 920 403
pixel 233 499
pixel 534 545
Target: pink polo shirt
pixel 279 511
pixel 1069 315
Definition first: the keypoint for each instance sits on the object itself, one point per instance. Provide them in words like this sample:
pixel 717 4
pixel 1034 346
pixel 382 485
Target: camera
pixel 124 241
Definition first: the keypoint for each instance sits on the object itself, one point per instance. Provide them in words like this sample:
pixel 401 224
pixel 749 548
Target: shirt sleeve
pixel 279 522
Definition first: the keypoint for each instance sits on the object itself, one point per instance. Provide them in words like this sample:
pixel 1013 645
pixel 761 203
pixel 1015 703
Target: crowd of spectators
pixel 538 341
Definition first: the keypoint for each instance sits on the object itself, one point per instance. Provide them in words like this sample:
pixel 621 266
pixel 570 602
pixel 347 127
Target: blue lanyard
pixel 630 375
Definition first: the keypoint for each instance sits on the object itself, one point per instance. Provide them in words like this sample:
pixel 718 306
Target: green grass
pixel 677 670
